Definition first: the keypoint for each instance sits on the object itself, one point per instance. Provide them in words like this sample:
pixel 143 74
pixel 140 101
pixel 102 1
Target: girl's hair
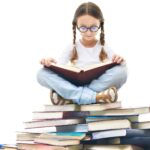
pixel 93 10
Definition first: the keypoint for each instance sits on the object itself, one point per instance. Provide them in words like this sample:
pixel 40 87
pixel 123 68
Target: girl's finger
pixel 116 58
pixel 113 58
pixel 119 60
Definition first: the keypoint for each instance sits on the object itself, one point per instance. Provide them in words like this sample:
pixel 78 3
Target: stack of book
pixel 86 127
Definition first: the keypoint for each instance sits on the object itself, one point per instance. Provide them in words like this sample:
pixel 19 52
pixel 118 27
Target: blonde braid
pixel 74 55
pixel 103 55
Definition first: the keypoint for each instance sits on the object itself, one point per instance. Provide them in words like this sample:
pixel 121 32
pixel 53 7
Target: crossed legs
pixel 106 84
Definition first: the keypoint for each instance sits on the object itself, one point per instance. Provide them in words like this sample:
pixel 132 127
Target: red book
pixel 81 76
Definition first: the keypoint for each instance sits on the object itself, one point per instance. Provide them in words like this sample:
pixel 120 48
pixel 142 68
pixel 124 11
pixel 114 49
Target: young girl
pixel 88 20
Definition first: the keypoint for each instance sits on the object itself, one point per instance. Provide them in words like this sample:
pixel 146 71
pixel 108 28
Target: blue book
pixel 131 118
pixel 139 141
pixel 120 133
pixel 70 133
pixel 64 135
pixel 95 142
pixel 1 145
pixel 73 128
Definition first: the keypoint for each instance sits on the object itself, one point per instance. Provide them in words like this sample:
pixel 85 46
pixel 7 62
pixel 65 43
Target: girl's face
pixel 88 27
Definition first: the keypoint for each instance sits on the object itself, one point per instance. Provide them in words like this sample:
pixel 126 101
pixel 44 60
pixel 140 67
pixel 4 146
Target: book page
pixel 68 67
pixel 79 69
pixel 96 65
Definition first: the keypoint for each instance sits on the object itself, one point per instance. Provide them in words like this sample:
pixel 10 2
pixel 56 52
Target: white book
pixel 47 123
pixel 109 124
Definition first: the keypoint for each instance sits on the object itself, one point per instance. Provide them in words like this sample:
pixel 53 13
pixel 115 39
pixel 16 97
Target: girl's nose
pixel 88 32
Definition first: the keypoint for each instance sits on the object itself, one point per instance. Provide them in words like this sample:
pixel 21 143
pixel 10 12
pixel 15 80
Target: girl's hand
pixel 47 61
pixel 118 59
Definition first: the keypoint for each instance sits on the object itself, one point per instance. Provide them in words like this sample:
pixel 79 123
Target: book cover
pixel 109 124
pixel 141 125
pixel 95 142
pixel 48 123
pixel 68 107
pixel 113 147
pixel 62 128
pixel 64 135
pixel 140 141
pixel 131 118
pixel 57 142
pixel 121 111
pixel 120 133
pixel 41 115
pixel 9 146
pixel 35 146
pixel 81 76
pixel 75 107
pixel 21 136
pixel 73 128
pixel 100 107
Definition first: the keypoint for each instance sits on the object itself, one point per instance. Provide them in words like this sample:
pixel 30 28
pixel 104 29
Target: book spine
pixel 137 133
pixel 140 141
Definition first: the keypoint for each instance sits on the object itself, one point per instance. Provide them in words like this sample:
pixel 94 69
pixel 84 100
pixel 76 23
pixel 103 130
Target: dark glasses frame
pixel 88 28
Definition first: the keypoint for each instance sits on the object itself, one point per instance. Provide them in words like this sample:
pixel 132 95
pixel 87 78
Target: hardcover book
pixel 121 111
pixel 113 147
pixel 139 141
pixel 89 107
pixel 141 125
pixel 120 133
pixel 109 124
pixel 48 123
pixel 36 146
pixel 131 118
pixel 57 142
pixel 62 128
pixel 81 76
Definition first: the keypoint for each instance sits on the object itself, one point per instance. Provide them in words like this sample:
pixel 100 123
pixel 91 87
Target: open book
pixel 81 76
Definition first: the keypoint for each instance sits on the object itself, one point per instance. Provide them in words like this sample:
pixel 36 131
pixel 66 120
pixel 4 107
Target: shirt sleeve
pixel 109 52
pixel 65 56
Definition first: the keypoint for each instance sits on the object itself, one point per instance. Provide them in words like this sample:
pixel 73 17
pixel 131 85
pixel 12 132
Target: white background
pixel 32 29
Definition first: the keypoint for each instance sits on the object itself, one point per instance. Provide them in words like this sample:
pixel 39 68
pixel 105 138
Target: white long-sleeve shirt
pixel 86 56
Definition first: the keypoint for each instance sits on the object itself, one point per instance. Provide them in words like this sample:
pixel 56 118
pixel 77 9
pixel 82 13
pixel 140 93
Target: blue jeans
pixel 86 94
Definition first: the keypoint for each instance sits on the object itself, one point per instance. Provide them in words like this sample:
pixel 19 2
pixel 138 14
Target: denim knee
pixel 42 76
pixel 120 74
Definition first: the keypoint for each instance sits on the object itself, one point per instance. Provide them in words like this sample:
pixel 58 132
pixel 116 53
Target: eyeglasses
pixel 84 29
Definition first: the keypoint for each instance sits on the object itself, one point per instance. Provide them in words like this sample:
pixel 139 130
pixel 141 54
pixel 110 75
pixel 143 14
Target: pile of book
pixel 86 127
